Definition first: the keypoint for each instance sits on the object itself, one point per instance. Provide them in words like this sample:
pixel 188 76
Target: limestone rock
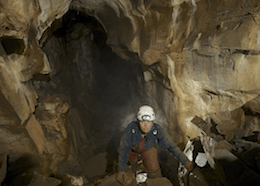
pixel 69 180
pixel 7 113
pixel 14 21
pixel 36 133
pixel 50 114
pixel 252 125
pixel 228 128
pixel 41 180
pixel 17 141
pixel 48 164
pixel 206 127
pixel 190 59
pixel 224 144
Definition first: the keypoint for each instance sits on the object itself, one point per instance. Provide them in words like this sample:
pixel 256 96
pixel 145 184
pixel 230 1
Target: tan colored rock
pixel 35 131
pixel 16 17
pixel 48 164
pixel 50 11
pixel 12 88
pixel 51 115
pixel 228 128
pixel 224 144
pixel 202 124
pixel 253 105
pixel 7 113
pixel 252 125
pixel 16 140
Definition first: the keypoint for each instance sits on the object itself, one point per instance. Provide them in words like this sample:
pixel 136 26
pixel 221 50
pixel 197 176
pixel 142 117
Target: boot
pixel 155 174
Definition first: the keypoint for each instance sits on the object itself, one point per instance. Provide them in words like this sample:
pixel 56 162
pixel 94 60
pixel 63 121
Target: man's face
pixel 145 126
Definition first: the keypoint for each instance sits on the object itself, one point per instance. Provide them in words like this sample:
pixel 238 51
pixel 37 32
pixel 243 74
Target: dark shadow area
pixel 112 154
pixel 19 172
pixel 104 89
pixel 9 116
pixel 169 165
pixel 13 45
pixel 236 173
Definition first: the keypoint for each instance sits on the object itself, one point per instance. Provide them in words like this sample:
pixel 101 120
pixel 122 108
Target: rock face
pixel 74 72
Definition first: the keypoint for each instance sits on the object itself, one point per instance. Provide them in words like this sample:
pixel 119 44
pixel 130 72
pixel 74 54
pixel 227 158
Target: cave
pixel 75 72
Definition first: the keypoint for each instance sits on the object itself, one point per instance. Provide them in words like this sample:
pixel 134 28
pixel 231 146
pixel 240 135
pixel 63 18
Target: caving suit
pixel 132 144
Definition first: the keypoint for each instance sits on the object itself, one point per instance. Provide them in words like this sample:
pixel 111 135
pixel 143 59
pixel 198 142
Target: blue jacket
pixel 132 136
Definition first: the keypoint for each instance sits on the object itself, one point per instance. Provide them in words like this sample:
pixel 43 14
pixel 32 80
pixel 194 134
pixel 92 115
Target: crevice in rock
pixel 13 45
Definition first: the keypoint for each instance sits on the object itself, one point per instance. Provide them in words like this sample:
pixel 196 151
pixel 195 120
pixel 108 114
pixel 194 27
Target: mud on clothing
pixel 132 136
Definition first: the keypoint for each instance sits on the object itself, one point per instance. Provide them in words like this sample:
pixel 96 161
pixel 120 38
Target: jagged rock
pixel 206 127
pixel 36 133
pixel 50 114
pixel 239 133
pixel 253 105
pixel 41 180
pixel 228 128
pixel 69 180
pixel 189 58
pixel 9 83
pixel 252 125
pixel 48 164
pixel 239 116
pixel 14 139
pixel 248 153
pixel 233 171
pixel 8 116
pixel 224 144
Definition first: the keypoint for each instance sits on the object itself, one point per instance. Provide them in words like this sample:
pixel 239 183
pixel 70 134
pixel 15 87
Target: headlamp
pixel 146 118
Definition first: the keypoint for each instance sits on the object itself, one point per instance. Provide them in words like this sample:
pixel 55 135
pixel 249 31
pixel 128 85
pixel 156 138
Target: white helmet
pixel 146 113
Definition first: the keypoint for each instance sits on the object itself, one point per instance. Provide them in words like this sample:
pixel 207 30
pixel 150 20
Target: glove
pixel 189 165
pixel 120 177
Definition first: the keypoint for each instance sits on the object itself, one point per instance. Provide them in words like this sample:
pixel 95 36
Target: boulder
pixel 95 166
pixel 41 180
pixel 69 180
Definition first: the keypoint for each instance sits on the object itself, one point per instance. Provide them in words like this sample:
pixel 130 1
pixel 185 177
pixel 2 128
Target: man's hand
pixel 189 165
pixel 120 177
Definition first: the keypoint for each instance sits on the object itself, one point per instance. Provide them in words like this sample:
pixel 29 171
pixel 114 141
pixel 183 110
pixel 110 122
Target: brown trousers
pixel 149 157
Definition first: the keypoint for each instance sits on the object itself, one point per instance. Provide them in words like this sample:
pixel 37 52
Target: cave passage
pixel 105 90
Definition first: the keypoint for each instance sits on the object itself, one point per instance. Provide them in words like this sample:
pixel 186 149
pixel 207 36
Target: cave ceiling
pixel 74 72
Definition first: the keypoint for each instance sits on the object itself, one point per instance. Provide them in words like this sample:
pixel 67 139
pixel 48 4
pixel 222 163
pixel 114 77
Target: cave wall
pixel 61 70
pixel 202 48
